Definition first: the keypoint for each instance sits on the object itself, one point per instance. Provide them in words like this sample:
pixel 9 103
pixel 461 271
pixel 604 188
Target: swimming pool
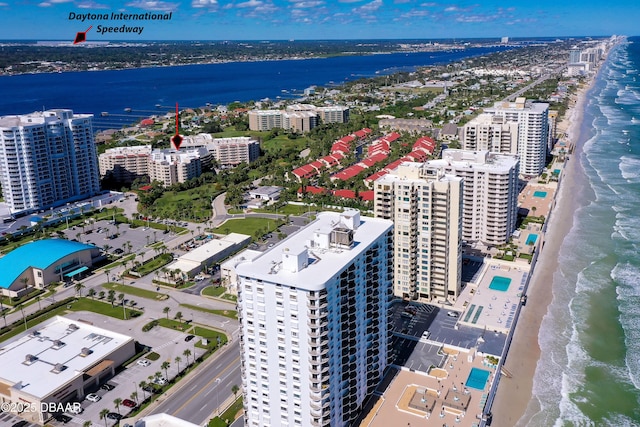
pixel 540 194
pixel 531 239
pixel 499 283
pixel 477 378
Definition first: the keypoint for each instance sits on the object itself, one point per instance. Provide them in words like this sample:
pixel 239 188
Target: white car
pixel 92 397
pixel 160 381
pixel 452 313
pixel 143 362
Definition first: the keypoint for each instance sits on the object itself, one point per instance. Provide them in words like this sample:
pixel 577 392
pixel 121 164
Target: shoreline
pixel 514 397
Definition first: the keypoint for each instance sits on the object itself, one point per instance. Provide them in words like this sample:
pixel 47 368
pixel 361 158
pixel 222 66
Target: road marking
pixel 217 379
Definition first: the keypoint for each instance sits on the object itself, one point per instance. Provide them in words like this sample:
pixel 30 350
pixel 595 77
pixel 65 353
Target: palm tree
pixel 165 366
pixel 78 287
pixel 178 359
pixel 103 416
pixel 179 316
pixel 86 424
pixel 112 296
pixel 235 390
pixel 166 311
pixel 24 281
pixel 92 293
pixel 158 375
pixel 143 385
pixel 107 271
pixel 38 298
pixel 134 396
pixel 117 401
pixel 186 354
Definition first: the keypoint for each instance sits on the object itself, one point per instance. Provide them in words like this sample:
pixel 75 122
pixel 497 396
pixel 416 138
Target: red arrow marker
pixel 81 36
pixel 176 139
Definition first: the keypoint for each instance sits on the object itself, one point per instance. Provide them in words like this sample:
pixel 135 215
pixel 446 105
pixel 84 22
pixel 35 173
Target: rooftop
pixel 321 264
pixel 39 254
pixel 51 354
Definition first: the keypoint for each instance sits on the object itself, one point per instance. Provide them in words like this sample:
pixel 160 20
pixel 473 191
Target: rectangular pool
pixel 540 194
pixel 531 239
pixel 499 283
pixel 477 378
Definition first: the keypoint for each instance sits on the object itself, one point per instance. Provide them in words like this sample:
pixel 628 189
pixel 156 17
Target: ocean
pixel 141 90
pixel 589 370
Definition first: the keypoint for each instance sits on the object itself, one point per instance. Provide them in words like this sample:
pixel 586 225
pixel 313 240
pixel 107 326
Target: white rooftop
pixel 37 377
pixel 297 262
pixel 194 258
pixel 163 420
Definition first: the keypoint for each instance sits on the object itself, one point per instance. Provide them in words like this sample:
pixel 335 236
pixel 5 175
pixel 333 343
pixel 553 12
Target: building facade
pixel 125 164
pixel 226 151
pixel 425 204
pixel 314 322
pixel 533 132
pixel 171 167
pixel 47 159
pixel 490 193
pixel 297 117
pixel 490 133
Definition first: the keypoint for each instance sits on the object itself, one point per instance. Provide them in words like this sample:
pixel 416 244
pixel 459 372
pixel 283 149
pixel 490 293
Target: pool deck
pixel 543 205
pixel 488 308
pixel 413 395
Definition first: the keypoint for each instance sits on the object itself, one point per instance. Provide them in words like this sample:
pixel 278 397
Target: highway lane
pixel 197 399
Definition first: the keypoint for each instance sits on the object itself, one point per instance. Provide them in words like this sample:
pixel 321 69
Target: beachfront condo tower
pixel 490 133
pixel 425 204
pixel 314 322
pixel 47 158
pixel 489 196
pixel 533 132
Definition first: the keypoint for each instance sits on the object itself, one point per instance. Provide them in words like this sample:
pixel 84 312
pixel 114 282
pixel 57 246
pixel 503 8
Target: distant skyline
pixel 318 19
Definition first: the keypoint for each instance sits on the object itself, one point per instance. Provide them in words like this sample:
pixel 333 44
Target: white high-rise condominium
pixel 425 204
pixel 490 193
pixel 314 322
pixel 533 132
pixel 491 133
pixel 47 158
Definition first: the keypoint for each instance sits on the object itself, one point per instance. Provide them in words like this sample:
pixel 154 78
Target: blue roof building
pixel 42 262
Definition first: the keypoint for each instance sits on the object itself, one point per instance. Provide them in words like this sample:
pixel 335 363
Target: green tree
pixel 91 293
pixel 117 401
pixel 103 416
pixel 166 311
pixel 178 359
pixel 165 366
pixel 112 296
pixel 186 354
pixel 235 389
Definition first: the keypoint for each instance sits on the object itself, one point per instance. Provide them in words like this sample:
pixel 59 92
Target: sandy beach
pixel 514 394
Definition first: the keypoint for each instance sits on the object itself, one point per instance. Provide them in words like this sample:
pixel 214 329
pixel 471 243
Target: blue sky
pixel 324 19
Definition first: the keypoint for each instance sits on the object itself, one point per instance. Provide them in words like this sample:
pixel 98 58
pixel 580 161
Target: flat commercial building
pixel 490 193
pixel 39 263
pixel 125 164
pixel 425 203
pixel 55 362
pixel 314 322
pixel 210 253
pixel 533 132
pixel 47 158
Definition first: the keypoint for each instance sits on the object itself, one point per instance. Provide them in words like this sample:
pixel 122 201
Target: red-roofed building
pixel 378 147
pixel 362 133
pixel 345 194
pixel 348 173
pixel 391 137
pixel 318 165
pixel 376 175
pixel 311 190
pixel 370 161
pixel 306 171
pixel 367 195
pixel 145 188
pixel 341 147
pixel 418 156
pixel 391 166
pixel 146 122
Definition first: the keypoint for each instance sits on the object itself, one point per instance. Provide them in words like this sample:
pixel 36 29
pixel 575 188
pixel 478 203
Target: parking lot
pixel 168 344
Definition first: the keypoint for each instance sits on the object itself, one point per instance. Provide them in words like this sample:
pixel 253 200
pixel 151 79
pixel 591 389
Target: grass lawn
pixel 214 291
pixel 121 261
pixel 247 226
pixel 86 304
pixel 174 324
pixel 132 290
pixel 232 314
pixel 289 209
pixel 230 297
pixel 227 416
pixel 193 204
pixel 153 264
pixel 283 143
pixel 211 335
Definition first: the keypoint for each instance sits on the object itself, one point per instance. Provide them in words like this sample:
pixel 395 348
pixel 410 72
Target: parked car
pixel 92 397
pixel 107 386
pixel 452 313
pixel 76 409
pixel 62 418
pixel 160 381
pixel 20 423
pixel 189 338
pixel 114 416
pixel 149 388
pixel 143 362
pixel 129 403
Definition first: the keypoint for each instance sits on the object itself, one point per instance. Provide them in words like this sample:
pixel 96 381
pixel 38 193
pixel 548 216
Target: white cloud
pixel 44 4
pixel 306 4
pixel 210 4
pixel 90 4
pixel 152 5
pixel 250 3
pixel 370 7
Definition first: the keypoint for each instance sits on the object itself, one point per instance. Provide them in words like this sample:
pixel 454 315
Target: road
pixel 197 400
pixel 542 78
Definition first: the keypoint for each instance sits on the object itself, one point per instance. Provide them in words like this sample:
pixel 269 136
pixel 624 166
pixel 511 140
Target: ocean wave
pixel 630 168
pixel 628 290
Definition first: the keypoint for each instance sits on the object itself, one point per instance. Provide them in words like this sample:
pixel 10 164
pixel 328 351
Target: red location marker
pixel 81 36
pixel 176 139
